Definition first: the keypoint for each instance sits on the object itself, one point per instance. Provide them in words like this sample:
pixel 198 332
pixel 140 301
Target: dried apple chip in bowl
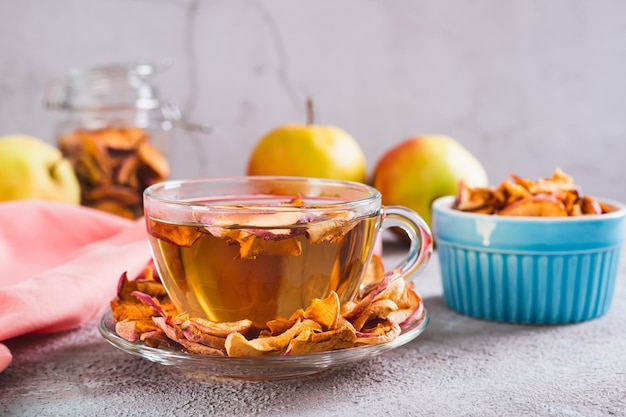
pixel 529 251
pixel 556 196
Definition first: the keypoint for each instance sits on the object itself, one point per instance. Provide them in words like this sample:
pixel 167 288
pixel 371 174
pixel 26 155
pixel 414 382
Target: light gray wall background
pixel 526 85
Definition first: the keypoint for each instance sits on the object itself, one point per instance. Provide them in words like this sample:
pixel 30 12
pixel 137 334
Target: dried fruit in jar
pixel 557 196
pixel 114 165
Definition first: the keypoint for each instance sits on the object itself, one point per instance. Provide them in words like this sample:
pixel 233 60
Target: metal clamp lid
pixel 114 88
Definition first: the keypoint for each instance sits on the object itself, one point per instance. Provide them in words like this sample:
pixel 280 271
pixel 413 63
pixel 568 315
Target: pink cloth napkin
pixel 60 264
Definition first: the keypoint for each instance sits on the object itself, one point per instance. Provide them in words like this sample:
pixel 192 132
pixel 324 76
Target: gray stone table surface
pixel 460 366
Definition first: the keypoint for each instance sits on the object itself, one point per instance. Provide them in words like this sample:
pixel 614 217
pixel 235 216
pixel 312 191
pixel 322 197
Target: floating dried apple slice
pixel 268 233
pixel 264 224
pixel 251 246
pixel 180 236
pixel 331 229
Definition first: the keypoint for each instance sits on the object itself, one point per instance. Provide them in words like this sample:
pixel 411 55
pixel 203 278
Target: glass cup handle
pixel 418 232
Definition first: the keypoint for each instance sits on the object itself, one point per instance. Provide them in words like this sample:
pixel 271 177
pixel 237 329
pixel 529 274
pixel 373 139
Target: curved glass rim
pixel 371 193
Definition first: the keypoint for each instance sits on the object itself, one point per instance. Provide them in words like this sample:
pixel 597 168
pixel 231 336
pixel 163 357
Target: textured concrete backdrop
pixel 525 85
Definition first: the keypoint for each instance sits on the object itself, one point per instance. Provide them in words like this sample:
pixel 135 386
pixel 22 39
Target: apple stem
pixel 309 111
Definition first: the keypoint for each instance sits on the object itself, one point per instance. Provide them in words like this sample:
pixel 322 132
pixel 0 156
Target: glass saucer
pixel 257 368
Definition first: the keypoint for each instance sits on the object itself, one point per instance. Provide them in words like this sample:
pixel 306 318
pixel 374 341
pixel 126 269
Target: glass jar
pixel 116 132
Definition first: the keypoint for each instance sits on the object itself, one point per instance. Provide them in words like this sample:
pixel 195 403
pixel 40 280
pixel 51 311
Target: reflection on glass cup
pixel 260 248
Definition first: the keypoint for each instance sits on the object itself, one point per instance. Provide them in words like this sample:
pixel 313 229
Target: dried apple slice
pixel 414 311
pixel 153 165
pixel 127 307
pixel 377 309
pixel 251 246
pixel 325 312
pixel 192 333
pixel 175 334
pixel 538 205
pixel 132 330
pixel 383 332
pixel 331 229
pixel 221 329
pixel 127 172
pixel 605 208
pixel 237 345
pixel 120 139
pixel 513 192
pixel 279 325
pixel 180 236
pixel 264 224
pixel 590 206
pixel 309 341
pixel 352 311
pixel 472 199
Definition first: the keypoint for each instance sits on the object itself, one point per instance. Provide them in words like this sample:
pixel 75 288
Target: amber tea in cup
pixel 260 248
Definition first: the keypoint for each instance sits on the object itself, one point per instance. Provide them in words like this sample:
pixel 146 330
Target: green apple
pixel 309 150
pixel 423 168
pixel 33 169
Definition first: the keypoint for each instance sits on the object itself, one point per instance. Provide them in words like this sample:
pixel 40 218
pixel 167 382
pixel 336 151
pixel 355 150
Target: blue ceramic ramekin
pixel 528 269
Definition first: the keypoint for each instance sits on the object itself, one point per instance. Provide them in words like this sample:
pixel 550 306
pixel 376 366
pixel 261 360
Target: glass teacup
pixel 260 248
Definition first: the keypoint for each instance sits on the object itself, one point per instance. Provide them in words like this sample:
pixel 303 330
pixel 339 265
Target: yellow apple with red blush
pixel 423 168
